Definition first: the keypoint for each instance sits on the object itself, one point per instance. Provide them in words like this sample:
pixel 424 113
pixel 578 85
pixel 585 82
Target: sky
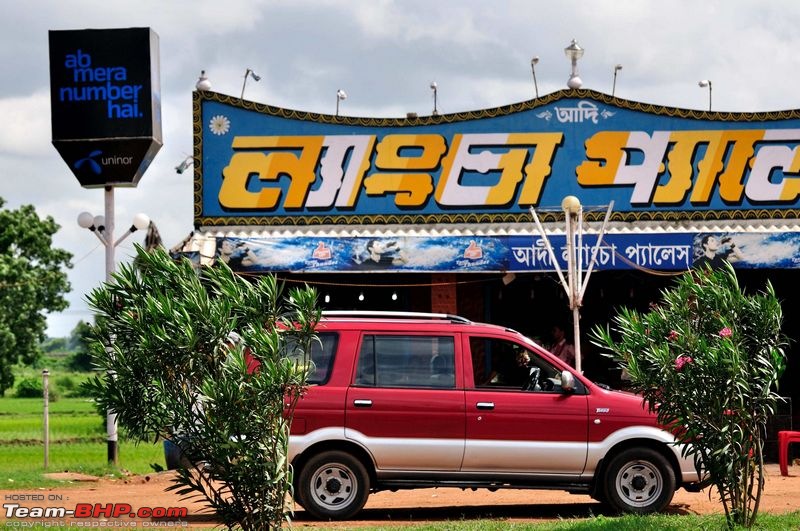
pixel 384 54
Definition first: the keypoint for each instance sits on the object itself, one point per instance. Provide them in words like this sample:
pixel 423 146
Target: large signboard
pixel 105 103
pixel 262 165
pixel 656 252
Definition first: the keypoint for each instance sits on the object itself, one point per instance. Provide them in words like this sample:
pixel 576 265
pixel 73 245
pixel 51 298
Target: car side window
pixel 406 361
pixel 499 363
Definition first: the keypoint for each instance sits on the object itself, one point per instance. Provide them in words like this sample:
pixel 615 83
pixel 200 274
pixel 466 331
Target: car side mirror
pixel 567 382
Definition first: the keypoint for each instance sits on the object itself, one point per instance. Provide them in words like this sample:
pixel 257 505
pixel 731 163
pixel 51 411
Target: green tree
pixel 32 281
pixel 54 344
pixel 707 359
pixel 78 343
pixel 182 345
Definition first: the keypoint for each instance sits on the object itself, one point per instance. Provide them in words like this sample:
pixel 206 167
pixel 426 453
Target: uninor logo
pixel 90 162
pixel 97 166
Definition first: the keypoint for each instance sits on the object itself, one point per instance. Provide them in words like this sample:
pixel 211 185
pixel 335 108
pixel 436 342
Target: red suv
pixel 407 400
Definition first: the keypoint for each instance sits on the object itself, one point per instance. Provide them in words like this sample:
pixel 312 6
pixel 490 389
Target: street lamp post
pixel 706 83
pixel 534 62
pixel 575 283
pixel 249 73
pixel 573 214
pixel 435 89
pixel 103 228
pixel 340 96
pixel 617 68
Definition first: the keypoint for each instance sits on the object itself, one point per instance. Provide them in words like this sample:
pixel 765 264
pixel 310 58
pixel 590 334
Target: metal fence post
pixel 46 393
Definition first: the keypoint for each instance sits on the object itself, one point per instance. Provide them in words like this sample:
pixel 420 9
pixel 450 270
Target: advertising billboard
pixel 105 103
pixel 263 165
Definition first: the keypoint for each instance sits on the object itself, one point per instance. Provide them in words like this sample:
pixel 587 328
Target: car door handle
pixel 362 403
pixel 485 405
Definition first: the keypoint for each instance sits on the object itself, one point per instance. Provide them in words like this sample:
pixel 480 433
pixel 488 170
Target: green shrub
pixel 80 361
pixel 198 395
pixel 707 359
pixel 31 387
pixel 65 383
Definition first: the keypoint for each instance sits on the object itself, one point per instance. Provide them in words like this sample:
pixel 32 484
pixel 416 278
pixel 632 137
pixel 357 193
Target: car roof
pixel 408 321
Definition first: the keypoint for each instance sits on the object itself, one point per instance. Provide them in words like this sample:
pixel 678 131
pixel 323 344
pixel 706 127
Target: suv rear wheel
pixel 333 485
pixel 639 480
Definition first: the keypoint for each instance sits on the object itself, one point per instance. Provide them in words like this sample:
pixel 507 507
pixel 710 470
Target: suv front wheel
pixel 639 480
pixel 333 485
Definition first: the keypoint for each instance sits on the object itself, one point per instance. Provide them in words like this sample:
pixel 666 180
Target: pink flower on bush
pixel 673 335
pixel 725 332
pixel 681 361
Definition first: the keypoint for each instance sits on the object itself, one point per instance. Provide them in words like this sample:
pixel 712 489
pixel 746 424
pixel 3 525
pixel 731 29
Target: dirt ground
pixel 781 494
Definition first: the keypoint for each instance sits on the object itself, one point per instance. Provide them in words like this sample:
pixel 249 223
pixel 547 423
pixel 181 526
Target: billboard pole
pixel 111 417
pixel 103 228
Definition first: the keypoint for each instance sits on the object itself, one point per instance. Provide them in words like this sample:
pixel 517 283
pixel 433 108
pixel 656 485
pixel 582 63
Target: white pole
pixel 46 393
pixel 111 418
pixel 572 260
pixel 576 332
pixel 579 248
pixel 578 289
pixel 596 248
pixel 570 257
pixel 550 251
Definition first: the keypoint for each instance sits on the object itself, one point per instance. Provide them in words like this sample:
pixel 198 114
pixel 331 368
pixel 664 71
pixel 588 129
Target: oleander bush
pixel 707 359
pixel 178 349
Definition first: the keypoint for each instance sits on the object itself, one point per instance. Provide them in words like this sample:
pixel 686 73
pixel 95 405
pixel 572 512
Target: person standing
pixel 560 347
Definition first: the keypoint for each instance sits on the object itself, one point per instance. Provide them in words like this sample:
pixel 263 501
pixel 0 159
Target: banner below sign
pixel 663 252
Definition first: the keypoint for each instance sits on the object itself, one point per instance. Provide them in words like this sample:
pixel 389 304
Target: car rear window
pixel 322 354
pixel 406 361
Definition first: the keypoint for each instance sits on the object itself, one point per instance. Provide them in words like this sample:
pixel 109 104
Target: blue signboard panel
pixel 653 252
pixel 261 165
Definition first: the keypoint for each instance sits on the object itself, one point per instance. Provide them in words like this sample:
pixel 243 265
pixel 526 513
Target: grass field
pixel 77 443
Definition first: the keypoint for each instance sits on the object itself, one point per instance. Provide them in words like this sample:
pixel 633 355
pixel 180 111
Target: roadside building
pixel 433 213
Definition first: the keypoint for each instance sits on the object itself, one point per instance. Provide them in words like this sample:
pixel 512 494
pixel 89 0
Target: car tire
pixel 639 481
pixel 333 485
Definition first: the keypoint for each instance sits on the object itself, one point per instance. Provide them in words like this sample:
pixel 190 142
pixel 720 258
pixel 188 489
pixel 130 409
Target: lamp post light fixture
pixel 103 228
pixel 184 165
pixel 340 96
pixel 534 62
pixel 574 52
pixel 435 89
pixel 706 83
pixel 617 68
pixel 203 83
pixel 249 73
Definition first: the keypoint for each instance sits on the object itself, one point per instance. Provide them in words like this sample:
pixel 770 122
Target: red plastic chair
pixel 785 438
